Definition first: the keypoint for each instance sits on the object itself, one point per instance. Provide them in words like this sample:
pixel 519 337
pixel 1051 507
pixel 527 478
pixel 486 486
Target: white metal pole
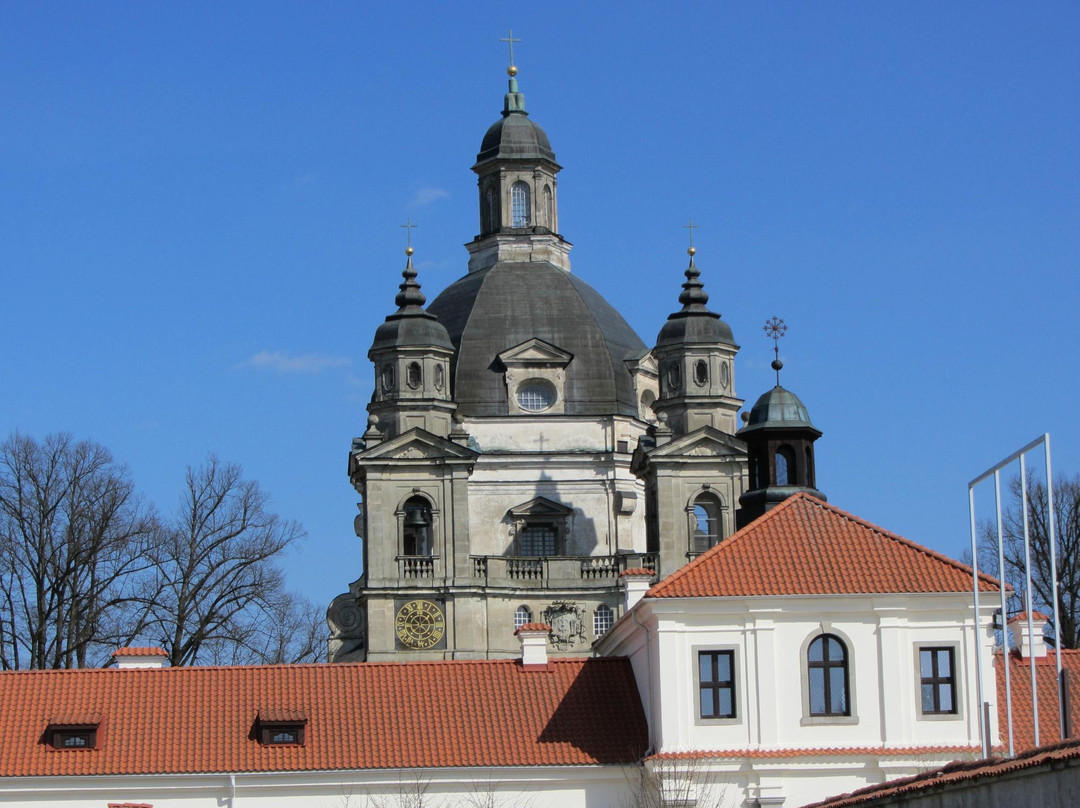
pixel 1028 599
pixel 984 730
pixel 1006 659
pixel 1054 582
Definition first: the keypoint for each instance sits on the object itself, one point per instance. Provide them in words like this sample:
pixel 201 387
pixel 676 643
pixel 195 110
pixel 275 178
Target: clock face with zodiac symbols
pixel 420 624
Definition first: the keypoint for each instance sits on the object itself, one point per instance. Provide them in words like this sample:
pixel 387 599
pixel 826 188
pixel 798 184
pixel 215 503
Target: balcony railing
pixel 565 570
pixel 412 567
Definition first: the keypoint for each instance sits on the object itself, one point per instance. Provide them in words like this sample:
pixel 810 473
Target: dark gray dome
pixel 779 408
pixel 515 137
pixel 411 332
pixel 695 328
pixel 489 311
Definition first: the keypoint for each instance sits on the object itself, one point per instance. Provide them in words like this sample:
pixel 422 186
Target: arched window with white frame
pixel 603 619
pixel 707 524
pixel 827 672
pixel 522 616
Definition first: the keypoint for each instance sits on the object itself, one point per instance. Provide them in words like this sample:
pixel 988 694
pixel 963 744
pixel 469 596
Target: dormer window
pixel 281 727
pixel 536 395
pixel 72 736
pixel 520 205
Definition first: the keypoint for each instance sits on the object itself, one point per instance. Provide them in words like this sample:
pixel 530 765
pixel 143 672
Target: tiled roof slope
pixel 359 716
pixel 805 546
pixel 1046 681
pixel 953 777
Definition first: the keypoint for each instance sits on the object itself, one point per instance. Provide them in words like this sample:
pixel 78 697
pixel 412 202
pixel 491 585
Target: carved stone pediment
pixel 535 352
pixel 703 442
pixel 540 506
pixel 416 444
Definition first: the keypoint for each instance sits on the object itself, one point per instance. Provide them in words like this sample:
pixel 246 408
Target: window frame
pixel 521 191
pixel 735 685
pixel 60 734
pixel 522 620
pixel 957 682
pixel 852 716
pixel 705 498
pixel 269 729
pixel 609 613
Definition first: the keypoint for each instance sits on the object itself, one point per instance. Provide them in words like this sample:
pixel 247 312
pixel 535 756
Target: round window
pixel 535 395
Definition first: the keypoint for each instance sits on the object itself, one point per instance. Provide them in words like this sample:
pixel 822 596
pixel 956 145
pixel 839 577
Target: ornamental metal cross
pixel 691 227
pixel 774 328
pixel 510 38
pixel 408 229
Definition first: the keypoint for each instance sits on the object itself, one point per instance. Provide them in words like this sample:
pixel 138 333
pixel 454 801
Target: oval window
pixel 701 373
pixel 415 375
pixel 388 377
pixel 439 377
pixel 725 375
pixel 535 395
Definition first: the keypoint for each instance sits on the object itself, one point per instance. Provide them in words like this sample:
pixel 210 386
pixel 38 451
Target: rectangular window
pixel 716 684
pixel 538 540
pixel 937 679
pixel 73 737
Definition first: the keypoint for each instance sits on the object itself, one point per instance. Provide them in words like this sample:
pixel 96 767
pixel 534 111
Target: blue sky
pixel 200 208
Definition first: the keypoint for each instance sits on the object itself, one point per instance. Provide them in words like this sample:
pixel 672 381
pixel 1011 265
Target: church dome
pixel 778 408
pixel 515 137
pixel 410 326
pixel 495 309
pixel 708 328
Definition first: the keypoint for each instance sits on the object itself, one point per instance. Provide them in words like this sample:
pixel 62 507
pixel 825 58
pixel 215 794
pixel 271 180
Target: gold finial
pixel 408 229
pixel 691 250
pixel 512 70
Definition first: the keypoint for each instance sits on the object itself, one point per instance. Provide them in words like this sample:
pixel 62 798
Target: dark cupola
pixel 695 352
pixel 412 352
pixel 516 175
pixel 779 437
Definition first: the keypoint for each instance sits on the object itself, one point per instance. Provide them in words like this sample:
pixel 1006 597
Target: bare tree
pixel 675 783
pixel 216 576
pixel 287 631
pixel 73 542
pixel 1067 529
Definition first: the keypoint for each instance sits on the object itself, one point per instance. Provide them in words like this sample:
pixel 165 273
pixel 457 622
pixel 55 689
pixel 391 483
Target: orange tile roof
pixel 817 751
pixel 1046 681
pixel 154 652
pixel 360 716
pixel 805 546
pixel 941 781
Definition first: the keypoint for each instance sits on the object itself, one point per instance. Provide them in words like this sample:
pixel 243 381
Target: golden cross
pixel 691 227
pixel 510 38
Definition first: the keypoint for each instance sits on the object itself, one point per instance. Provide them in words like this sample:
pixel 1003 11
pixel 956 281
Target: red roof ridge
pixel 140 651
pixel 1035 615
pixel 533 627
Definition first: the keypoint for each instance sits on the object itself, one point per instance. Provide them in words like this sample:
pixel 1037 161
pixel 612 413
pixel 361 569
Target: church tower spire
pixel 516 175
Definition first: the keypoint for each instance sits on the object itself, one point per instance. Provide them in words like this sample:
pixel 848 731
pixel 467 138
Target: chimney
pixel 139 658
pixel 636 583
pixel 1030 645
pixel 534 637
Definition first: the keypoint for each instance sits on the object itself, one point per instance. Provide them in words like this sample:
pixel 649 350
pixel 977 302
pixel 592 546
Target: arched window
pixel 549 209
pixel 708 523
pixel 603 619
pixel 522 615
pixel 417 527
pixel 645 410
pixel 809 467
pixel 520 205
pixel 827 670
pixel 491 212
pixel 785 466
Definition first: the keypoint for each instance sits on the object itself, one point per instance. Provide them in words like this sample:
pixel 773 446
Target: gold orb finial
pixel 511 71
pixel 409 251
pixel 691 251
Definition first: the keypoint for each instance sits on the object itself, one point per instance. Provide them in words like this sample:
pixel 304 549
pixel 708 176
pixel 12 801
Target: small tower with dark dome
pixel 780 443
pixel 516 171
pixel 412 353
pixel 695 353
